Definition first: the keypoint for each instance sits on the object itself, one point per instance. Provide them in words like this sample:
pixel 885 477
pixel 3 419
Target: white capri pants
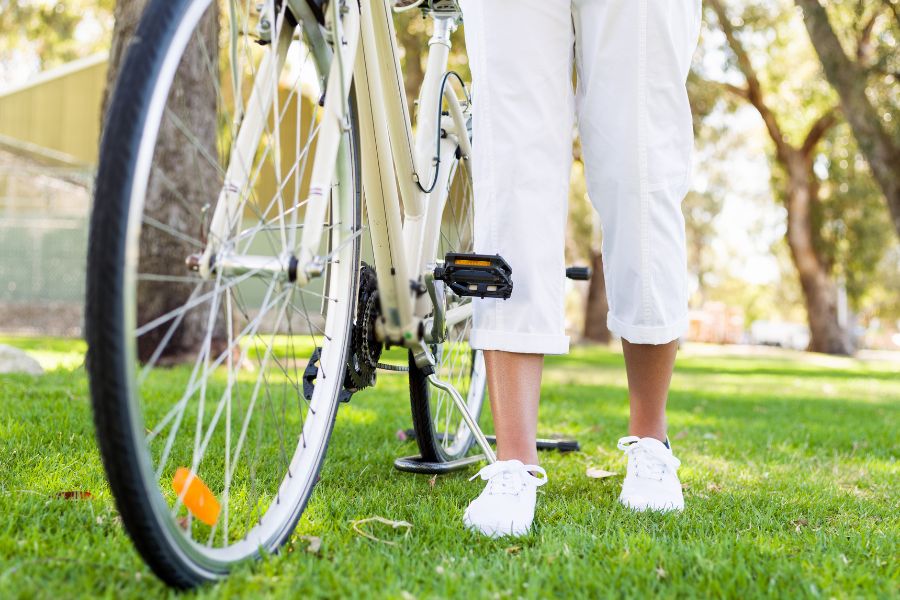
pixel 632 59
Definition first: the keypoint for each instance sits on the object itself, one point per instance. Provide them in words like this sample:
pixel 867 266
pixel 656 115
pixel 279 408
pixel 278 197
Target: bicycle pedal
pixel 478 275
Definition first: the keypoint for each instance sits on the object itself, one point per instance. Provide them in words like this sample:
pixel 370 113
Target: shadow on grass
pixel 790 370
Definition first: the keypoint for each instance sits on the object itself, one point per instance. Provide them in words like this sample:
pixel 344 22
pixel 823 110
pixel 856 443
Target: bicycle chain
pixel 365 349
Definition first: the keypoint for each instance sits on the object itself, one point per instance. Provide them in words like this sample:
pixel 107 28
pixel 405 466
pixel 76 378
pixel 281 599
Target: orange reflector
pixel 197 498
pixel 472 263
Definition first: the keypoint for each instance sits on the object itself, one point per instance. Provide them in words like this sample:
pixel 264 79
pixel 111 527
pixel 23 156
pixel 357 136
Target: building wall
pixel 59 110
pixel 49 141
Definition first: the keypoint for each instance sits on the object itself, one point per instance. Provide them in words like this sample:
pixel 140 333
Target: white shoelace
pixel 510 477
pixel 649 462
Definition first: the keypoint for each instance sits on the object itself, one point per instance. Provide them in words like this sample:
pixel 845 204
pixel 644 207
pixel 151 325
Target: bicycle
pixel 229 310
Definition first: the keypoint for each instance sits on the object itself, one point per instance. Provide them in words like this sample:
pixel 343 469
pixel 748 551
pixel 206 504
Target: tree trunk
pixel 181 183
pixel 849 80
pixel 596 307
pixel 819 291
pixel 127 14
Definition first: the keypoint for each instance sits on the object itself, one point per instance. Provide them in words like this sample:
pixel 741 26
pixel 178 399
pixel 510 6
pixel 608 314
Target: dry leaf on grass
pixel 376 519
pixel 596 473
pixel 74 495
pixel 661 573
pixel 315 543
pixel 433 480
pixel 514 549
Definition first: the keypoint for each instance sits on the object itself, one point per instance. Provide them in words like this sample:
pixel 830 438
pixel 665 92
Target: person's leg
pixel 514 384
pixel 649 371
pixel 634 117
pixel 520 55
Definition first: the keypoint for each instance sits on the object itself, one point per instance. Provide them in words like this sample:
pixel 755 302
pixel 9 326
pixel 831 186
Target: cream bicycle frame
pixel 405 239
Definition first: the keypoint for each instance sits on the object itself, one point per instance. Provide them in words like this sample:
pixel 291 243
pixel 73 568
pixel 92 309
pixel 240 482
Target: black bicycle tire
pixel 430 448
pixel 105 308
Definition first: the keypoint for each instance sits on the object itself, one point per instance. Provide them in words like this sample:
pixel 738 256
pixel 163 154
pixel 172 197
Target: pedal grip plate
pixel 476 275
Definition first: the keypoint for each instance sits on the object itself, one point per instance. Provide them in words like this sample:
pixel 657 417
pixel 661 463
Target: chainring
pixel 365 349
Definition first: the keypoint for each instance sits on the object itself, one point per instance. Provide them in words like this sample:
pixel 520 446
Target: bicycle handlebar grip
pixel 579 273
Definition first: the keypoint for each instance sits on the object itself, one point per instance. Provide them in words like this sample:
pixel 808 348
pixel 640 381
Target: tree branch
pixel 728 87
pixel 864 45
pixel 893 8
pixel 849 79
pixel 818 130
pixel 734 89
pixel 753 92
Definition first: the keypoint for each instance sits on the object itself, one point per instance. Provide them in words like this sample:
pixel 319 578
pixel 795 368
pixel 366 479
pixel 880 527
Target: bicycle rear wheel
pixel 441 433
pixel 231 379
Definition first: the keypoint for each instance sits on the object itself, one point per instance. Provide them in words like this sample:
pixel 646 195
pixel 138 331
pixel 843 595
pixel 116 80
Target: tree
pixel 583 244
pixel 413 41
pixel 853 224
pixel 800 187
pixel 702 206
pixel 856 78
pixel 181 182
pixel 597 305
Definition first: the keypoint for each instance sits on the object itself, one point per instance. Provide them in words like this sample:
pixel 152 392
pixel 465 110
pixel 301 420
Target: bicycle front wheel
pixel 215 390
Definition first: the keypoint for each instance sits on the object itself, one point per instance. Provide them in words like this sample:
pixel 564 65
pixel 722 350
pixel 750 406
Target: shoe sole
pixel 494 531
pixel 648 508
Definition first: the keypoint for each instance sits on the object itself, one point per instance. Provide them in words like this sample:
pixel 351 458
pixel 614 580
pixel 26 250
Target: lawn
pixel 789 466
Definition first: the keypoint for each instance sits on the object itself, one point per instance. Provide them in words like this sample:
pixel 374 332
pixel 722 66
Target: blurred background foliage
pixel 38 35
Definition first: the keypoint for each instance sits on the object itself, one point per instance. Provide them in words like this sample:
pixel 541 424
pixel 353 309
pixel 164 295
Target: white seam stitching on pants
pixel 643 175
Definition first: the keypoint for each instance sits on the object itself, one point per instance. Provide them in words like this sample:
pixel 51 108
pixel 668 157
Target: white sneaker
pixel 506 506
pixel 651 482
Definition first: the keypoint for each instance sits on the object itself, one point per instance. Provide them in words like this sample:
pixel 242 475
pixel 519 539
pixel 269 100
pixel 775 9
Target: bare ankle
pixel 648 432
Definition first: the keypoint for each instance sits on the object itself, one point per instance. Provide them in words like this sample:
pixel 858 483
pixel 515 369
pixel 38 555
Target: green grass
pixel 790 467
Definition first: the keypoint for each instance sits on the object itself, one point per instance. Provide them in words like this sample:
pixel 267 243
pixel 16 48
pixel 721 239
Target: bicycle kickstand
pixel 467 417
pixel 425 360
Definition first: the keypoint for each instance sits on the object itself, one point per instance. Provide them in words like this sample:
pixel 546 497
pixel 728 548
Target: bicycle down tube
pixel 403 251
pixel 402 247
